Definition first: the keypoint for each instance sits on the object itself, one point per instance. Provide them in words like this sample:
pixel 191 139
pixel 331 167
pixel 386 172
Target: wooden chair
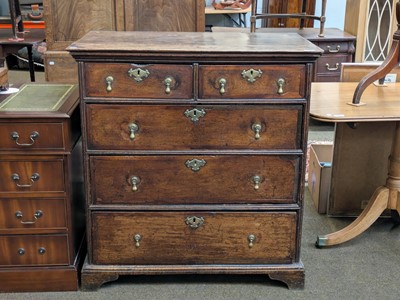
pixel 301 15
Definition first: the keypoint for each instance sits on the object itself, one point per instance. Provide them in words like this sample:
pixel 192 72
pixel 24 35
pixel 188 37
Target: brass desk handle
pixel 134 181
pixel 137 238
pixel 109 82
pixel 42 250
pixel 280 82
pixel 15 177
pixel 21 251
pixel 330 50
pixel 251 238
pixel 335 68
pixel 133 128
pixel 34 136
pixel 38 214
pixel 222 84
pixel 256 127
pixel 256 179
pixel 168 82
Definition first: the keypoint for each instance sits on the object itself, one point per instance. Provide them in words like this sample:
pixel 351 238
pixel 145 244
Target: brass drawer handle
pixel 256 179
pixel 38 214
pixel 280 82
pixel 109 82
pixel 134 181
pixel 194 222
pixel 330 50
pixel 21 251
pixel 42 250
pixel 138 74
pixel 195 114
pixel 222 84
pixel 251 75
pixel 34 136
pixel 335 68
pixel 256 127
pixel 15 177
pixel 168 82
pixel 195 164
pixel 133 128
pixel 137 238
pixel 251 238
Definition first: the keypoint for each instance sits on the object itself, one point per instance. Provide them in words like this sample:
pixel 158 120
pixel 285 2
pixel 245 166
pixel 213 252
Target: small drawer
pixel 167 238
pixel 335 47
pixel 201 179
pixel 32 213
pixel 138 81
pixel 34 250
pixel 34 175
pixel 252 82
pixel 25 136
pixel 157 127
pixel 330 64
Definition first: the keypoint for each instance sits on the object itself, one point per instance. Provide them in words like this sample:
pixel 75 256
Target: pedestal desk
pixel 194 150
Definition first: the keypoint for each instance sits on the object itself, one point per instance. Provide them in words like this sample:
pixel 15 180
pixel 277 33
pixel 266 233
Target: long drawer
pixel 32 213
pixel 32 175
pixel 30 250
pixel 193 238
pixel 175 179
pixel 175 127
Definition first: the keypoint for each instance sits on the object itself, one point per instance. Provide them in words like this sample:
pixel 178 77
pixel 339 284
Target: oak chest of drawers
pixel 41 189
pixel 194 152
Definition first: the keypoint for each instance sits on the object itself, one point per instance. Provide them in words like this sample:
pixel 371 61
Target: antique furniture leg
pixel 385 196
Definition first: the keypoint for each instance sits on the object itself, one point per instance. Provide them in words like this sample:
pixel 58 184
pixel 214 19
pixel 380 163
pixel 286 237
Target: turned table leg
pixel 384 197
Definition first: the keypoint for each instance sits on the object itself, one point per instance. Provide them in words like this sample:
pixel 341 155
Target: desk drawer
pixel 252 82
pixel 33 250
pixel 32 213
pixel 186 127
pixel 176 179
pixel 35 175
pixel 193 238
pixel 24 136
pixel 138 81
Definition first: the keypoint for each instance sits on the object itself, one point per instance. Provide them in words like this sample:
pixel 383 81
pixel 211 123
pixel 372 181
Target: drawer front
pixel 172 238
pixel 32 213
pixel 156 127
pixel 335 47
pixel 33 250
pixel 138 81
pixel 168 179
pixel 24 136
pixel 330 64
pixel 252 81
pixel 31 176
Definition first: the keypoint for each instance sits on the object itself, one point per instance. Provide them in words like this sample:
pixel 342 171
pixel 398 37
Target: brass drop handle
pixel 256 179
pixel 109 82
pixel 33 136
pixel 168 82
pixel 251 238
pixel 133 128
pixel 134 180
pixel 222 84
pixel 21 251
pixel 34 177
pixel 42 250
pixel 335 68
pixel 137 238
pixel 330 50
pixel 256 127
pixel 280 82
pixel 38 214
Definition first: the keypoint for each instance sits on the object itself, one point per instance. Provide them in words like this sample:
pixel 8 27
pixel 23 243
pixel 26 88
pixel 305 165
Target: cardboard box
pixel 319 174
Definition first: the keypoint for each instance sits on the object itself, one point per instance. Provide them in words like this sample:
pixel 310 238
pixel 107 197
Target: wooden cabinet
pixel 67 21
pixel 194 142
pixel 41 191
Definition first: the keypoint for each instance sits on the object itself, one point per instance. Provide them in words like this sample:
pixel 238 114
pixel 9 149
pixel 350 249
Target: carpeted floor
pixel 364 268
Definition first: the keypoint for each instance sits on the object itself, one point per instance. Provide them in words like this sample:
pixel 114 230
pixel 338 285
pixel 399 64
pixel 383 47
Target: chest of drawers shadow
pixel 194 152
pixel 41 189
